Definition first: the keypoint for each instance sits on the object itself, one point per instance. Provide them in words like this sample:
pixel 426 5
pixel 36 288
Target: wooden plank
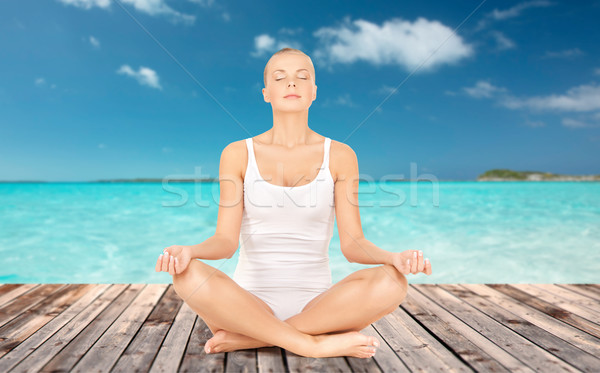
pixel 553 292
pixel 385 356
pixel 30 344
pixel 241 361
pixel 453 362
pixel 172 349
pixel 297 363
pixel 370 365
pixel 194 358
pixel 479 352
pixel 270 359
pixel 581 289
pixel 5 288
pixel 591 288
pixel 548 341
pixel 145 345
pixel 412 351
pixel 564 331
pixel 28 322
pixel 13 291
pixel 47 350
pixel 69 355
pixel 106 351
pixel 521 348
pixel 549 308
pixel 24 302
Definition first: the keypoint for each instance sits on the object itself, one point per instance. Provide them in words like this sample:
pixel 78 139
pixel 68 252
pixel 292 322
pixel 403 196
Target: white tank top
pixel 286 231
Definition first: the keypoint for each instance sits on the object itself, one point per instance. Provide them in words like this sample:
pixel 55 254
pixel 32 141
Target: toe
pixel 374 342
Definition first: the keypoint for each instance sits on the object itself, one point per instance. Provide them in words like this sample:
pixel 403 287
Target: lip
pixel 292 96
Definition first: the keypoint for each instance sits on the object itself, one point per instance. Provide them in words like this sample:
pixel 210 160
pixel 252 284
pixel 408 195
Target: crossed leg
pixel 352 304
pixel 346 308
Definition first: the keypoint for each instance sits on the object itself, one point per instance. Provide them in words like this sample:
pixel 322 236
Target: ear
pixel 267 99
pixel 314 93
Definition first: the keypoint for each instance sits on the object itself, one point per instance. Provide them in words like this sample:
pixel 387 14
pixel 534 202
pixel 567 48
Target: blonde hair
pixel 287 50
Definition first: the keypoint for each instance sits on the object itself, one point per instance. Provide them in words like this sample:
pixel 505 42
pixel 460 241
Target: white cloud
pixel 151 7
pixel 583 121
pixel 41 82
pixel 583 99
pixel 290 31
pixel 578 99
pixel 266 44
pixel 512 12
pixel 101 146
pixel 344 100
pixel 502 41
pixel 396 41
pixel 204 3
pixel 144 75
pixel 483 89
pixel 573 123
pixel 516 10
pixel 597 71
pixel 536 123
pixel 87 4
pixel 226 17
pixel 95 42
pixel 386 90
pixel 567 53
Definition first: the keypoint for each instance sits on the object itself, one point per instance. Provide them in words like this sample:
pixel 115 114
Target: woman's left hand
pixel 411 261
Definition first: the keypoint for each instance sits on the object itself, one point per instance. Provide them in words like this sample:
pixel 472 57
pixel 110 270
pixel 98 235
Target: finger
pixel 158 263
pixel 427 267
pixel 414 263
pixel 165 262
pixel 407 268
pixel 421 264
pixel 171 265
pixel 176 265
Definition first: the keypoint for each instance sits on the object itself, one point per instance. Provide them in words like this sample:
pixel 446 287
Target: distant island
pixel 510 175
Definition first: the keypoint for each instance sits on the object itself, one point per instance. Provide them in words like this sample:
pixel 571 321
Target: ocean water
pixel 473 232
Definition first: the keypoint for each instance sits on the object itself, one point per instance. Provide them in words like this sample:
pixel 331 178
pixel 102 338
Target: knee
pixel 390 284
pixel 190 281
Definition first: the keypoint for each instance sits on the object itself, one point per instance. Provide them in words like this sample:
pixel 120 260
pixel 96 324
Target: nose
pixel 291 83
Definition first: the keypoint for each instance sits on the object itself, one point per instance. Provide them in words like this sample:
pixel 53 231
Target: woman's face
pixel 290 82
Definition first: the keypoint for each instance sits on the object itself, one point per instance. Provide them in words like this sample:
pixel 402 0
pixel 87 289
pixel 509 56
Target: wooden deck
pixel 139 327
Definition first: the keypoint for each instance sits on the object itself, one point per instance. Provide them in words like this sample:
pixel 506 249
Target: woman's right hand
pixel 174 259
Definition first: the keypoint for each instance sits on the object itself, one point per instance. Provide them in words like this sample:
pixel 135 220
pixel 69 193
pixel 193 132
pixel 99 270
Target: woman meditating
pixel 279 195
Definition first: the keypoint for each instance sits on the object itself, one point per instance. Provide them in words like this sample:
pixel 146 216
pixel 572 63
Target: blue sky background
pixel 86 93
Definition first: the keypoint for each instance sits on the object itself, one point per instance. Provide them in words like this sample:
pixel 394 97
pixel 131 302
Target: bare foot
pixel 346 344
pixel 225 341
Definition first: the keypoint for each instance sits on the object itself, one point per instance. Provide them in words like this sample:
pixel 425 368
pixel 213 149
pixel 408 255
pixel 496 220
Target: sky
pixel 105 89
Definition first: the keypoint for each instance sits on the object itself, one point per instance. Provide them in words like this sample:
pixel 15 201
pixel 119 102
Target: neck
pixel 290 129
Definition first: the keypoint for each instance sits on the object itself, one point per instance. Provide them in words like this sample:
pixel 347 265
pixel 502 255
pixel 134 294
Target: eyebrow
pixel 296 70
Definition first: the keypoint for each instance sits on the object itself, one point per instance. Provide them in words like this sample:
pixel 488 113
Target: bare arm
pixel 355 247
pixel 224 242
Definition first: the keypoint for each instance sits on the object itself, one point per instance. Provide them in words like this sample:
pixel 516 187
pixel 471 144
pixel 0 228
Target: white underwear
pixel 286 302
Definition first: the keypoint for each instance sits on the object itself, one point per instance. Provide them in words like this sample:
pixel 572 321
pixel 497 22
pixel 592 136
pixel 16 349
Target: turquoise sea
pixel 473 232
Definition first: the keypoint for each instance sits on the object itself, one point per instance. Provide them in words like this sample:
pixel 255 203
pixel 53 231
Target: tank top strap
pixel 251 160
pixel 250 148
pixel 327 147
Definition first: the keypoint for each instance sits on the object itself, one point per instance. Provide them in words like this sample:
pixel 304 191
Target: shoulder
pixel 234 157
pixel 342 159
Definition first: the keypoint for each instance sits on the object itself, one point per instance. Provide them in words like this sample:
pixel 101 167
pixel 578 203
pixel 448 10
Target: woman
pixel 281 293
